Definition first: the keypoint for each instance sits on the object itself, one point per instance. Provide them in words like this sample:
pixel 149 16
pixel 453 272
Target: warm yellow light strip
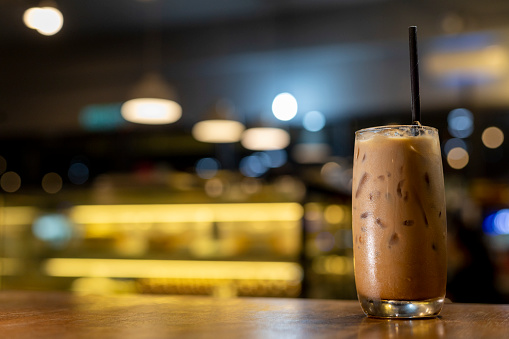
pixel 96 214
pixel 184 269
pixel 18 215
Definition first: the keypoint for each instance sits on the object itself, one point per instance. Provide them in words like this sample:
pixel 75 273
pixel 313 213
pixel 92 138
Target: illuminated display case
pixel 120 240
pixel 178 240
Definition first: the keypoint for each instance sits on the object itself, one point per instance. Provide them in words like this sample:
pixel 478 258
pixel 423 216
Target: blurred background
pixel 237 180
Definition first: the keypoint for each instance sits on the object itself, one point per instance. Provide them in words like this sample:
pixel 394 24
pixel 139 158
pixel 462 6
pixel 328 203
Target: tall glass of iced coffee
pixel 399 221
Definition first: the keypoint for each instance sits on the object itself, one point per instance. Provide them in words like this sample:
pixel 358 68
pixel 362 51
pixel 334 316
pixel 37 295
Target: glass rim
pixel 398 127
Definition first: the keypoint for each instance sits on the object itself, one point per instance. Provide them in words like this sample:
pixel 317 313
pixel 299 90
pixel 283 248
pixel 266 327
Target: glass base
pixel 401 308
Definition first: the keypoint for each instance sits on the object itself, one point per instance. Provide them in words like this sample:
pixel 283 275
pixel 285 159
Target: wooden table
pixel 62 315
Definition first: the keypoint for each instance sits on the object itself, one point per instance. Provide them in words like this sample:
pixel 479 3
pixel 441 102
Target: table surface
pixel 26 314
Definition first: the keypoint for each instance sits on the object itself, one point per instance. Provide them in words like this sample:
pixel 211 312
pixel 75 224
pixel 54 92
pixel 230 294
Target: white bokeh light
pixel 151 111
pixel 284 106
pixel 46 20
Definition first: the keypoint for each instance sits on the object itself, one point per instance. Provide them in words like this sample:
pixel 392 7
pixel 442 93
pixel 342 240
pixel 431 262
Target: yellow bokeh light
pixel 334 214
pixel 457 158
pixel 251 185
pixel 489 61
pixel 174 213
pixel 214 187
pixel 492 137
pixel 313 211
pixel 185 269
pixel 332 264
pixel 10 182
pixel 51 183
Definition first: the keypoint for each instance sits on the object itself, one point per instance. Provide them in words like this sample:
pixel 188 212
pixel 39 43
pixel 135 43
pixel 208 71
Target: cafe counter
pixel 29 314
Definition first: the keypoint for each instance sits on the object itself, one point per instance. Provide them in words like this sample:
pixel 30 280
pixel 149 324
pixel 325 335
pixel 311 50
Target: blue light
pixel 497 223
pixel 313 121
pixel 78 173
pixel 207 168
pixel 453 143
pixel 104 117
pixel 501 222
pixel 460 123
pixel 252 166
pixel 264 158
pixel 277 157
pixel 52 228
pixel 464 42
pixel 487 225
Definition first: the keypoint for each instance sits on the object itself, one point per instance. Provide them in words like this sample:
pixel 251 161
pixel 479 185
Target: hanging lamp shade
pixel 263 136
pixel 154 102
pixel 219 126
pixel 265 139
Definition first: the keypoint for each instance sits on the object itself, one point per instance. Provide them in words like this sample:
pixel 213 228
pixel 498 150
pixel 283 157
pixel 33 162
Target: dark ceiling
pixel 346 58
pixel 97 17
pixel 342 57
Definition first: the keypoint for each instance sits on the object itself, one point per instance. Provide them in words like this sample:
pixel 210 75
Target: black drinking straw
pixel 414 75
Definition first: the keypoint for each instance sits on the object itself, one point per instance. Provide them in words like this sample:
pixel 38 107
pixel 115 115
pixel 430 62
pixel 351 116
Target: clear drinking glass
pixel 399 221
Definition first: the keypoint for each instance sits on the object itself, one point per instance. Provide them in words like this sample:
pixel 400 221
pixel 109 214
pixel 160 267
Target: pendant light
pixel 44 18
pixel 219 125
pixel 264 137
pixel 153 100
